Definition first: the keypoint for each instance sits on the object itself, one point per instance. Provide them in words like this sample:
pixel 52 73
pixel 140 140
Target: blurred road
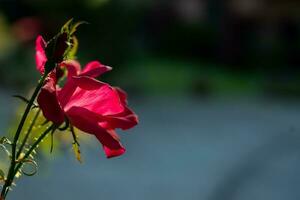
pixel 188 149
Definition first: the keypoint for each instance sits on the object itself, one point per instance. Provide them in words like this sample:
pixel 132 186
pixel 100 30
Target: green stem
pixel 35 145
pixel 29 105
pixel 20 163
pixel 28 133
pixel 10 175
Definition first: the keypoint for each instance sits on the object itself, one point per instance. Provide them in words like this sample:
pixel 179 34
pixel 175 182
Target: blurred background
pixel 215 83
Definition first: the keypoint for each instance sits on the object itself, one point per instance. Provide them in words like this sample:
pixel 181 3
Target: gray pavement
pixel 184 149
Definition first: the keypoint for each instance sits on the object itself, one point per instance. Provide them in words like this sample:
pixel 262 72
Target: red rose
pixel 90 105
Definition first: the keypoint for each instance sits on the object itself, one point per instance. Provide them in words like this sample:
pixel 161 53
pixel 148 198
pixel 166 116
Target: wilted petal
pixel 40 56
pixel 94 69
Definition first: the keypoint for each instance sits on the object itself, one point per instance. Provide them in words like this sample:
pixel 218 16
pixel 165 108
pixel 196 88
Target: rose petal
pixel 72 66
pixel 66 92
pixel 48 102
pixel 122 95
pixel 94 96
pixel 69 88
pixel 40 55
pixel 110 153
pixel 94 69
pixel 87 83
pixel 124 120
pixel 88 122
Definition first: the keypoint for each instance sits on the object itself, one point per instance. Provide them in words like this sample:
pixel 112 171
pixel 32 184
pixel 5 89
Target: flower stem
pixel 11 174
pixel 35 145
pixel 20 163
pixel 28 132
pixel 29 105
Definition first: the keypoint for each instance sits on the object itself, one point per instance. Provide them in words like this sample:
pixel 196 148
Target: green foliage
pixel 71 53
pixel 69 28
pixel 61 138
pixel 2 175
pixel 3 142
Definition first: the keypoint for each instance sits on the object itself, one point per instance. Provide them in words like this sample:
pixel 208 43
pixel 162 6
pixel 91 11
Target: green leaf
pixel 5 140
pixel 73 27
pixel 3 147
pixel 66 27
pixel 73 47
